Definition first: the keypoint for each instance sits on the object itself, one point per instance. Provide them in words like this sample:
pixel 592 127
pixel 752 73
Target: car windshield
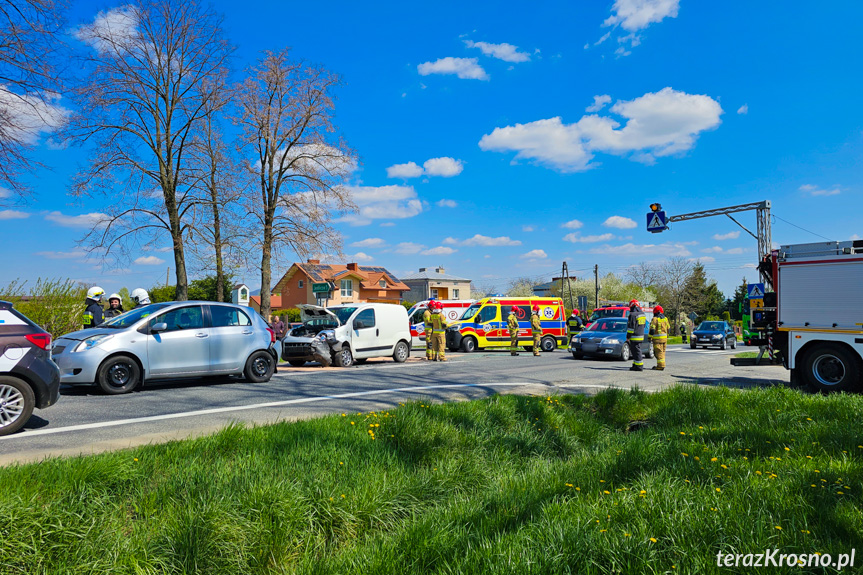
pixel 607 325
pixel 711 326
pixel 471 311
pixel 343 313
pixel 602 313
pixel 132 317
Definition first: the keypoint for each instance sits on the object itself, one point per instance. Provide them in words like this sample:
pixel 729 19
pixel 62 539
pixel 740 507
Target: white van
pixel 453 309
pixel 354 332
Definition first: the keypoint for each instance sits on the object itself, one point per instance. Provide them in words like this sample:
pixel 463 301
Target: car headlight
pixel 717 336
pixel 327 334
pixel 611 340
pixel 92 342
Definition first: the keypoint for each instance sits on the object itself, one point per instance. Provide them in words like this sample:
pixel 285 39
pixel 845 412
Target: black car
pixel 28 377
pixel 714 333
pixel 606 337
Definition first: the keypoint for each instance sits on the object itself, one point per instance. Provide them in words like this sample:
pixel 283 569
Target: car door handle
pixel 247 332
pixel 201 335
pixel 378 332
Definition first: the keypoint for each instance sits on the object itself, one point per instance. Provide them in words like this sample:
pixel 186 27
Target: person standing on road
pixel 574 323
pixel 512 325
pixel 93 316
pixel 683 331
pixel 115 306
pixel 635 335
pixel 536 329
pixel 438 322
pixel 428 329
pixel 659 328
pixel 279 327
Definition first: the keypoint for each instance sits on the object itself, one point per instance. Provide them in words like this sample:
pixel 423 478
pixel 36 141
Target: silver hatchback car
pixel 168 341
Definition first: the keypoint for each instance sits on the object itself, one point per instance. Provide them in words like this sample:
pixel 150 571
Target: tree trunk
pixel 266 271
pixel 217 238
pixel 182 293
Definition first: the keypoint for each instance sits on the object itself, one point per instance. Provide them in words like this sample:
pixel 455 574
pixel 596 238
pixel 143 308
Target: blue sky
pixel 500 139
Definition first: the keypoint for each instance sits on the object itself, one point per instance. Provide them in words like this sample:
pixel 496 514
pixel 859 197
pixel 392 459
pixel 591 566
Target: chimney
pixel 314 262
pixel 440 270
pixel 353 267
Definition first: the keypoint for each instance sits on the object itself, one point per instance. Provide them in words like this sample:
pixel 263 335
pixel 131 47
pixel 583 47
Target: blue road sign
pixel 755 291
pixel 656 222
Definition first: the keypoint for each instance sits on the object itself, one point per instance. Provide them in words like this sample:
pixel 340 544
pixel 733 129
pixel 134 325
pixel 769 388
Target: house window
pixel 434 294
pixel 300 284
pixel 347 288
pixel 455 294
pixel 383 283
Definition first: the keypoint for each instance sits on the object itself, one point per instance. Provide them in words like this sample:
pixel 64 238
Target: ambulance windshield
pixel 471 311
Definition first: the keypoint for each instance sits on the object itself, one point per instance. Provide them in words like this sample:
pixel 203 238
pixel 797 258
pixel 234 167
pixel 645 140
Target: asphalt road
pixel 86 421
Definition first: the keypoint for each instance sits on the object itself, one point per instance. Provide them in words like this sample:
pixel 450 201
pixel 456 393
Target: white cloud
pixel 447 204
pixel 703 259
pixel 439 251
pixel 444 167
pixel 451 241
pixel 657 124
pixel 576 238
pixel 620 223
pixel 855 237
pixel 505 52
pixel 527 228
pixel 713 250
pixel 149 261
pixel 743 110
pixel 383 203
pixel 657 250
pixel 464 68
pixel 728 236
pixel 749 266
pixel 27 116
pixel 408 248
pixel 734 251
pixel 599 102
pixel 91 220
pixel 13 215
pixel 359 257
pixel 480 240
pixel 404 171
pixel 77 255
pixel 816 191
pixel 534 255
pixel 4 193
pixel 388 224
pixel 572 225
pixel 111 31
pixel 605 37
pixel 369 243
pixel 633 15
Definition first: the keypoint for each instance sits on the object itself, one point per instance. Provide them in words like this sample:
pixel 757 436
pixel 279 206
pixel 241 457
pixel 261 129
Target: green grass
pixel 746 354
pixel 510 484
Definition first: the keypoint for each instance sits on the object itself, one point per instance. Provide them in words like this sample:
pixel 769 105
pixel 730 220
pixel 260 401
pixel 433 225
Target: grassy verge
pixel 624 482
pixel 746 354
pixel 672 339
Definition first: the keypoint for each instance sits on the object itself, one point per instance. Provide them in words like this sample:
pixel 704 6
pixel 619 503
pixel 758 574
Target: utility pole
pixel 596 281
pixel 567 286
pixel 167 277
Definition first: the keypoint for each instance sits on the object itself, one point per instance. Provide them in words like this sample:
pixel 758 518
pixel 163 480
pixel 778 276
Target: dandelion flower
pixel 607 492
pixel 653 539
pixel 684 454
pixel 713 459
pixel 787 449
pixel 136 459
pixel 779 528
pixel 718 490
pixel 568 484
pixel 578 488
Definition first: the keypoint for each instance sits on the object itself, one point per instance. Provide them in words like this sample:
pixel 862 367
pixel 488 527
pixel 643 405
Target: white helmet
pixel 115 296
pixel 95 293
pixel 140 296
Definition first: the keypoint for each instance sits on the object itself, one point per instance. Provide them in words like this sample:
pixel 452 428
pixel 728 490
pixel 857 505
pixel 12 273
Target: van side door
pixel 365 335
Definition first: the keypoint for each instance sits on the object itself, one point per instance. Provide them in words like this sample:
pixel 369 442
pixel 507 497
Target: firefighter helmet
pixel 536 308
pixel 140 296
pixel 633 303
pixel 514 309
pixel 575 312
pixel 95 293
pixel 658 309
pixel 115 296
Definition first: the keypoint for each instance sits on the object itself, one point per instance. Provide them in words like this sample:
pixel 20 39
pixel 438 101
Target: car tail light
pixel 42 340
pixel 272 335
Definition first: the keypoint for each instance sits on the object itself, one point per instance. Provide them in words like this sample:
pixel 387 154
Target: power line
pixel 804 229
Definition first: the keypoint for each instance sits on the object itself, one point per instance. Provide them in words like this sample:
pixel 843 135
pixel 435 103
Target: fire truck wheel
pixel 828 368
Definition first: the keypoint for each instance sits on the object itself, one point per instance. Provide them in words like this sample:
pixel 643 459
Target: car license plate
pixel 588 348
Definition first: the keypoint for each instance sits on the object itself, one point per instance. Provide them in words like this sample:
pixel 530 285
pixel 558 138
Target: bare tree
pixel 522 287
pixel 286 114
pixel 153 68
pixel 642 274
pixel 30 83
pixel 672 285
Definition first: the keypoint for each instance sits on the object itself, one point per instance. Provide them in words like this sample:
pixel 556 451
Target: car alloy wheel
pixel 11 405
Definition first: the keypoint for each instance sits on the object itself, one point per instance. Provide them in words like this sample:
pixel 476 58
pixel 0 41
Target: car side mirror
pixel 359 325
pixel 157 327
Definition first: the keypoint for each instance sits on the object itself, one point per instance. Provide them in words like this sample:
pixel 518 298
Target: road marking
pixel 117 422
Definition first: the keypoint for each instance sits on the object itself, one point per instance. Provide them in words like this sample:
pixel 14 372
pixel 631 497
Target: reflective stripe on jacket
pixel 659 328
pixel 427 321
pixel 635 326
pixel 438 322
pixel 536 324
pixel 512 322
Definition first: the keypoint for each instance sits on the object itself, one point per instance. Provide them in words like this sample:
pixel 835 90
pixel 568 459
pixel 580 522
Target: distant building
pixel 545 290
pixel 331 284
pixel 435 283
pixel 240 294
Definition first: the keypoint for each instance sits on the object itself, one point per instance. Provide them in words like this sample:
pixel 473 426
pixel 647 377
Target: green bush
pixel 55 304
pixel 290 315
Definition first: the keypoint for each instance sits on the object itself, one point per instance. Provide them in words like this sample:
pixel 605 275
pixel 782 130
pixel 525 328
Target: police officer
pixel 536 329
pixel 574 323
pixel 115 306
pixel 512 325
pixel 635 335
pixel 93 313
pixel 428 329
pixel 140 297
pixel 659 328
pixel 438 322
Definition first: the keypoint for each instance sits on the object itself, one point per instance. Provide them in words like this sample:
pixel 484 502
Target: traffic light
pixel 655 207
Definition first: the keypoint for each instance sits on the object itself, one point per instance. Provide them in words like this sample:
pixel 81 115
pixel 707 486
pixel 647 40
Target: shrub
pixel 55 304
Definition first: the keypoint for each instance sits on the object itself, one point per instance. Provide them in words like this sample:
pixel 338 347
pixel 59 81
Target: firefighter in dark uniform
pixel 574 323
pixel 115 306
pixel 635 335
pixel 428 330
pixel 93 316
pixel 512 326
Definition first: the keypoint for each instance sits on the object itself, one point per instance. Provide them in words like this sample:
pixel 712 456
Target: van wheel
pixel 692 345
pixel 734 343
pixel 120 374
pixel 468 345
pixel 401 353
pixel 16 404
pixel 831 368
pixel 259 367
pixel 344 358
pixel 548 344
pixel 724 344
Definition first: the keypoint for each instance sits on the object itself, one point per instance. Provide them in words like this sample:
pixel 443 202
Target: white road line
pixel 115 423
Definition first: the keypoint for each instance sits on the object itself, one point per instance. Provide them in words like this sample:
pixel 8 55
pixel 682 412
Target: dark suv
pixel 718 333
pixel 28 377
